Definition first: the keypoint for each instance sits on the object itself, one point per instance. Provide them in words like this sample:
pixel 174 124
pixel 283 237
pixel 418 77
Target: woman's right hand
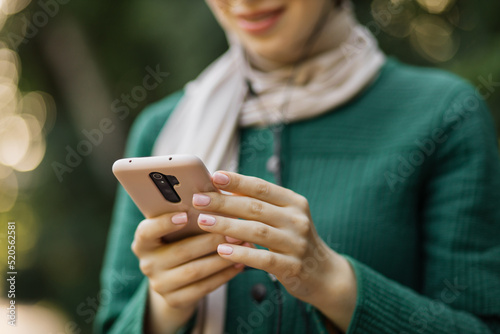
pixel 180 273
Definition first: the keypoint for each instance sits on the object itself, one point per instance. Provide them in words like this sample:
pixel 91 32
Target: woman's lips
pixel 261 21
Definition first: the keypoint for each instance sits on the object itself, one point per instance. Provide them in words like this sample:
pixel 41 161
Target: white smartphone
pixel 165 184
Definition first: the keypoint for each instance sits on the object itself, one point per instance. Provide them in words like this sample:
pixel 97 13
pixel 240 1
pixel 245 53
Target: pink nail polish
pixel 201 200
pixel 180 218
pixel 206 220
pixel 221 179
pixel 225 249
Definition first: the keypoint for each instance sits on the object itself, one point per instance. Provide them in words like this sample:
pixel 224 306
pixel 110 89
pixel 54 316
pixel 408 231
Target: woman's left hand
pixel 279 219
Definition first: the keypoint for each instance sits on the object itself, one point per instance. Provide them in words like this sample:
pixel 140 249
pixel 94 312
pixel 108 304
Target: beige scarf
pixel 206 120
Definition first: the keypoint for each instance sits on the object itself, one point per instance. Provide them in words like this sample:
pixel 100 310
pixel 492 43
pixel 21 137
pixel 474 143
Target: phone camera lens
pixel 165 184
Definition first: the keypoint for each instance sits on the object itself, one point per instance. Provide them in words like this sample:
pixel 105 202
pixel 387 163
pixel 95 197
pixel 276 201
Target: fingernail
pixel 221 179
pixel 179 219
pixel 239 266
pixel 232 240
pixel 201 200
pixel 206 220
pixel 225 249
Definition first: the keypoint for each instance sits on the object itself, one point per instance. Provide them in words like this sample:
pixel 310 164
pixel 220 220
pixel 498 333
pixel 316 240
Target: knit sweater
pixel 404 181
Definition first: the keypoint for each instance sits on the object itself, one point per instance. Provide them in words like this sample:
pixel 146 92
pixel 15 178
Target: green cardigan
pixel 404 181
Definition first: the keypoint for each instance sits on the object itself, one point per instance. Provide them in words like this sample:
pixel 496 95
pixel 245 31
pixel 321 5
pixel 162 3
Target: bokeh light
pixel 8 192
pixel 436 6
pixel 14 139
pixel 23 118
pixel 9 7
pixel 428 24
pixel 22 128
pixel 434 38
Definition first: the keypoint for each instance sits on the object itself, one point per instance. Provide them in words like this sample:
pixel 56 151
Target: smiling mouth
pixel 261 21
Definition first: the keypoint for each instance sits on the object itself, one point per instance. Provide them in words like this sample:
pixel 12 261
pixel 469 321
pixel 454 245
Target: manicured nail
pixel 179 219
pixel 201 200
pixel 221 179
pixel 232 240
pixel 239 266
pixel 206 220
pixel 225 249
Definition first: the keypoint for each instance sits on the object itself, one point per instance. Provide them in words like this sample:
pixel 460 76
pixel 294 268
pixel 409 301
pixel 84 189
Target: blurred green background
pixel 65 65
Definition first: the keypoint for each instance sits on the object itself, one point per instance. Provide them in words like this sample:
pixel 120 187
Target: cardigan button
pixel 273 164
pixel 259 292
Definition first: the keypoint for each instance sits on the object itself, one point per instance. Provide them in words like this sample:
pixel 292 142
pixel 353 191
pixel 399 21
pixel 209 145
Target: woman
pixel 366 198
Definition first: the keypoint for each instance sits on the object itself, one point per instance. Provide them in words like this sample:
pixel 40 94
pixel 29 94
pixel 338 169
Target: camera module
pixel 165 184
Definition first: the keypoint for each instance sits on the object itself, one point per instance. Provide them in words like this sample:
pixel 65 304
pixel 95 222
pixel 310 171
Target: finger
pixel 242 207
pixel 254 187
pixel 263 259
pixel 233 240
pixel 192 293
pixel 248 230
pixel 175 254
pixel 188 273
pixel 185 250
pixel 149 232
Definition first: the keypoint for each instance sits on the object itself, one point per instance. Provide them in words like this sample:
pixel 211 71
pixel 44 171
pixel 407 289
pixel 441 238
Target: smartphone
pixel 165 184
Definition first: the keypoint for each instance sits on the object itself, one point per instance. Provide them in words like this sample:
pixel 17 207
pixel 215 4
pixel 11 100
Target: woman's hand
pixel 279 219
pixel 180 273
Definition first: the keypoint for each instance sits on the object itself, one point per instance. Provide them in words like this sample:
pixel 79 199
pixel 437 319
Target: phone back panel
pixel 193 177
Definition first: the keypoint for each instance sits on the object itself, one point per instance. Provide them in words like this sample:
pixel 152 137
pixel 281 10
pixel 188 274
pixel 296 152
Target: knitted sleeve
pixel 460 290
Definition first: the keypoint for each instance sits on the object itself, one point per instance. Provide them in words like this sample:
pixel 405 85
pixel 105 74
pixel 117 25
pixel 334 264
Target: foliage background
pixel 89 52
